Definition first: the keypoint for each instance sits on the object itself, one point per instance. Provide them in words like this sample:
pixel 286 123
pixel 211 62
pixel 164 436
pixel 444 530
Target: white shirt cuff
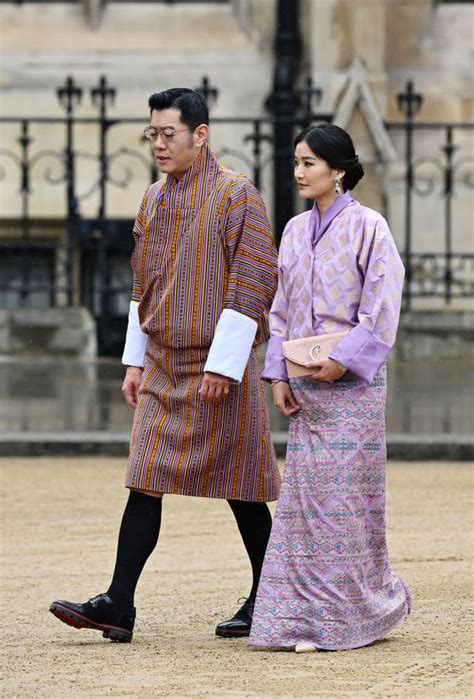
pixel 135 340
pixel 231 346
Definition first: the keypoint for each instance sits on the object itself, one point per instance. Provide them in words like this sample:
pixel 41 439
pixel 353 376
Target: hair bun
pixel 353 174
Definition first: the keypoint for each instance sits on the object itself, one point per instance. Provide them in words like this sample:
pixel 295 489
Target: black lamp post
pixel 283 104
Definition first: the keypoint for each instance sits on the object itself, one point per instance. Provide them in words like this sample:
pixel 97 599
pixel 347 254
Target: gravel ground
pixel 60 521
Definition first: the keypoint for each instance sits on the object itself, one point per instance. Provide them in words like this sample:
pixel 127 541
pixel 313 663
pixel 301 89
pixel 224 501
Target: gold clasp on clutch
pixel 315 350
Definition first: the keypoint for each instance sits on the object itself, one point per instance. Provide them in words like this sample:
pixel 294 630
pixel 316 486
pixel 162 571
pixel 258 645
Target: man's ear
pixel 201 134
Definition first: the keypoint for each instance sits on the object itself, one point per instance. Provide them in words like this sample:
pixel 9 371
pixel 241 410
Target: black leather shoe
pixel 100 613
pixel 240 623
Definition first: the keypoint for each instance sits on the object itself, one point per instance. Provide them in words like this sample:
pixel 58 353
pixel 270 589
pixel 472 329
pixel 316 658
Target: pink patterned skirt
pixel 326 578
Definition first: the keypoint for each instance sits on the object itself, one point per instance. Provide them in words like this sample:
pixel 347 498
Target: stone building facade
pixel 360 53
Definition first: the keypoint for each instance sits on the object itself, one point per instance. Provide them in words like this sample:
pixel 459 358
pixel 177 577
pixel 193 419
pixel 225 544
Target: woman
pixel 326 580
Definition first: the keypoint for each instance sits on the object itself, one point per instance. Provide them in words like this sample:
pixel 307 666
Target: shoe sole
pixel 114 633
pixel 232 634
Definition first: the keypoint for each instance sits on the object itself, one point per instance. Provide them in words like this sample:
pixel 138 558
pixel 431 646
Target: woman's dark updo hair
pixel 334 145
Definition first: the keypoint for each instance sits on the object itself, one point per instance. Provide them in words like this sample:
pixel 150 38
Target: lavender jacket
pixel 341 273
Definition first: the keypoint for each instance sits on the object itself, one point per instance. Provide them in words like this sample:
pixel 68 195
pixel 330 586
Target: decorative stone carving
pixel 358 94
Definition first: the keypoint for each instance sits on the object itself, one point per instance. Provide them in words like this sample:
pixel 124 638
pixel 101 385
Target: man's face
pixel 174 145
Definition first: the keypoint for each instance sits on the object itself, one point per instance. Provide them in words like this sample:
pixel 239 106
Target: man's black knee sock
pixel 137 538
pixel 254 522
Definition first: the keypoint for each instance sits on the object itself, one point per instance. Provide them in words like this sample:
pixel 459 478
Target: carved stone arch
pixel 357 94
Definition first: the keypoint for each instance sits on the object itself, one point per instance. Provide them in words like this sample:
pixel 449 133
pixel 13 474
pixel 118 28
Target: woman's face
pixel 313 175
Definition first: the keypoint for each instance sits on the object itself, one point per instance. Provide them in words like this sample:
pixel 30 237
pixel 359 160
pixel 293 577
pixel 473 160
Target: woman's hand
pixel 326 370
pixel 283 399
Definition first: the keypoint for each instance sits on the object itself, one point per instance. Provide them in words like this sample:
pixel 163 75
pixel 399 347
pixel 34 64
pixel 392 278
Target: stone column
pixel 337 32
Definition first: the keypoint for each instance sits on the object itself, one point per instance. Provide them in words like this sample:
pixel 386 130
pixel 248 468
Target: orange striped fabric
pixel 202 243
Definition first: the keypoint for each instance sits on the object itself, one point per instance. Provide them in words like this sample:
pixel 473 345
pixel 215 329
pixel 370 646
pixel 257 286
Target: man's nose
pixel 159 141
pixel 159 146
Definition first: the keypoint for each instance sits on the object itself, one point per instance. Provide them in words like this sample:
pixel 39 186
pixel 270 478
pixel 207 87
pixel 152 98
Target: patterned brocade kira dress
pixel 326 578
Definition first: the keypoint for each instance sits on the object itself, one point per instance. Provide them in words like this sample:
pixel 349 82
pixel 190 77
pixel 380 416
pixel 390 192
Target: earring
pixel 337 187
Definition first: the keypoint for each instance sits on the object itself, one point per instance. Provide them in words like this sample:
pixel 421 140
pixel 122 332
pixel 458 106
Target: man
pixel 205 271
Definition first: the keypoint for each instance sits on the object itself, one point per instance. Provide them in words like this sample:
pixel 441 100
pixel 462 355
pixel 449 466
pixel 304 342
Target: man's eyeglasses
pixel 166 134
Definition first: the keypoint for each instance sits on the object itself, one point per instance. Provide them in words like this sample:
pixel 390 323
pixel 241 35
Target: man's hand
pixel 283 399
pixel 214 387
pixel 131 384
pixel 326 370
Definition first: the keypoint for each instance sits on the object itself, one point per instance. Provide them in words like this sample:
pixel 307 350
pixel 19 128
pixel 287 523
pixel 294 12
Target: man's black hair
pixel 191 105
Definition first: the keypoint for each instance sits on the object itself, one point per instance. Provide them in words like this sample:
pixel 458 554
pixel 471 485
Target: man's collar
pixel 198 164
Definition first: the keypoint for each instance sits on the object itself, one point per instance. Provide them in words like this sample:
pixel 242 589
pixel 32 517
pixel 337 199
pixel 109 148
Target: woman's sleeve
pixel 252 279
pixel 368 344
pixel 275 366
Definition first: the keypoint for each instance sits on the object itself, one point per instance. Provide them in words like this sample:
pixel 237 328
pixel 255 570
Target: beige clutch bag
pixel 309 349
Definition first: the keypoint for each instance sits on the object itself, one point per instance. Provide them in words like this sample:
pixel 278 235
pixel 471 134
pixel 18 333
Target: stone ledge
pixel 402 447
pixel 51 332
pixel 458 322
pixel 431 334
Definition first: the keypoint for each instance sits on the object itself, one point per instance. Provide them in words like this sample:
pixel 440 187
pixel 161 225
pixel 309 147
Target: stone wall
pixel 143 47
pixel 420 40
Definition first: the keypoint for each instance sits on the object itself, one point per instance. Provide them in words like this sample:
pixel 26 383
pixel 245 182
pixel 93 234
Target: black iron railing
pixel 78 253
pixel 435 175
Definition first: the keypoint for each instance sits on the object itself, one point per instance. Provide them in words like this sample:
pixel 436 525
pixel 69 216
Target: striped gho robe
pixel 205 273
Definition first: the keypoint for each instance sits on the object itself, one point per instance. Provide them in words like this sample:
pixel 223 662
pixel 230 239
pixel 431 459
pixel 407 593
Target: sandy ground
pixel 60 521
